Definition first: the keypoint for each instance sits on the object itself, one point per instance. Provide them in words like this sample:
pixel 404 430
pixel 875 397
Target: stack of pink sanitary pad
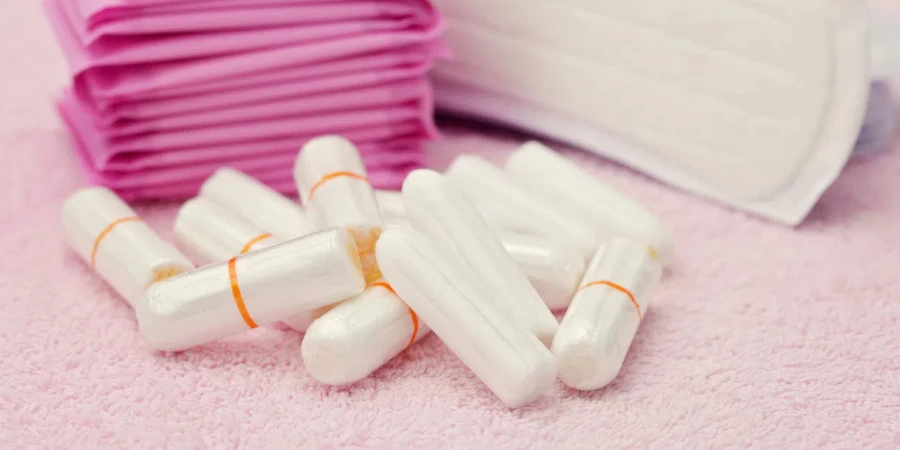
pixel 165 92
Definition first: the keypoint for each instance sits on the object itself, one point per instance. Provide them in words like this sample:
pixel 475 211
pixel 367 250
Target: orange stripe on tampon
pixel 104 233
pixel 333 175
pixel 412 314
pixel 236 293
pixel 617 287
pixel 253 241
pixel 653 253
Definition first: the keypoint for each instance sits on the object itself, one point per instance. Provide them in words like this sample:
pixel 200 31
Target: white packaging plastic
pixel 358 336
pixel 107 234
pixel 250 290
pixel 599 326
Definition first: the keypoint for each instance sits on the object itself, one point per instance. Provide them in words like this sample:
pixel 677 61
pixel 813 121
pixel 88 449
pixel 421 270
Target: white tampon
pixel 391 205
pixel 552 268
pixel 358 336
pixel 604 316
pixel 256 203
pixel 302 321
pixel 107 234
pixel 438 209
pixel 249 290
pixel 543 172
pixel 335 190
pixel 506 206
pixel 207 232
pixel 512 362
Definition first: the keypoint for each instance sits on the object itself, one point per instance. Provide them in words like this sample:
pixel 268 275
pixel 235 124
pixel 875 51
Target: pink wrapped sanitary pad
pixel 166 92
pixel 220 17
pixel 261 92
pixel 379 96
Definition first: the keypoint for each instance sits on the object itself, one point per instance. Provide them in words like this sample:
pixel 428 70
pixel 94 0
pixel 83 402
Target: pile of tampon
pixel 165 92
pixel 479 255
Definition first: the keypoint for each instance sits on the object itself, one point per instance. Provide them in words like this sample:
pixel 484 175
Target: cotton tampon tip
pixel 606 312
pixel 580 364
pixel 358 336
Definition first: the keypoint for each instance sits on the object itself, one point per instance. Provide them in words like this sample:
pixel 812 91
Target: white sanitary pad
pixel 755 103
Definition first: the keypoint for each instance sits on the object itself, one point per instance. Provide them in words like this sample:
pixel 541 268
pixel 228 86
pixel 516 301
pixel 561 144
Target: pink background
pixel 760 336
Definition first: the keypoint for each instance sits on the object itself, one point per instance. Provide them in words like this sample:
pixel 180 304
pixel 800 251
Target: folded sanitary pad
pixel 163 93
pixel 753 103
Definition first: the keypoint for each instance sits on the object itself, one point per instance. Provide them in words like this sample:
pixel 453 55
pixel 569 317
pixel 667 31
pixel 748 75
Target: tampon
pixel 553 269
pixel 249 290
pixel 391 205
pixel 256 203
pixel 335 190
pixel 358 336
pixel 512 362
pixel 107 234
pixel 544 173
pixel 207 232
pixel 507 206
pixel 302 321
pixel 438 209
pixel 604 316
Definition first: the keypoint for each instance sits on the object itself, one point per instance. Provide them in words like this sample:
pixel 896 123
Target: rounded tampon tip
pixel 328 351
pixel 420 178
pixel 226 173
pixel 82 195
pixel 80 209
pixel 390 245
pixel 323 149
pixel 327 143
pixel 580 365
pixel 84 198
pixel 321 156
pixel 541 379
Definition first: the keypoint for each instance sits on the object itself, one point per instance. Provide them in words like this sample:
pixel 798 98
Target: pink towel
pixel 760 336
pixel 163 93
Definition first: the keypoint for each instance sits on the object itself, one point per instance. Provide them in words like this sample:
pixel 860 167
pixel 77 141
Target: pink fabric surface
pixel 760 336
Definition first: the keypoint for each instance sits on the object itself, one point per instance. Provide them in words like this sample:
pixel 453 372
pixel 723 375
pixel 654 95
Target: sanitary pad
pixel 164 93
pixel 881 116
pixel 755 103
